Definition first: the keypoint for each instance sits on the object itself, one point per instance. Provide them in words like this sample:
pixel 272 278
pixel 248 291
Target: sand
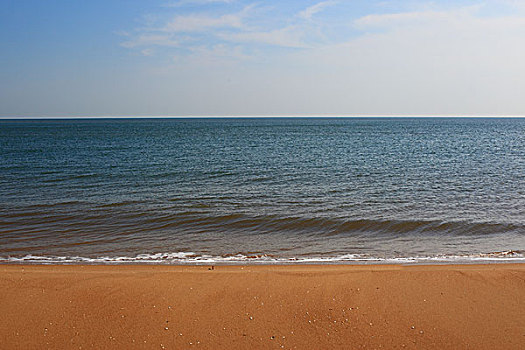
pixel 263 307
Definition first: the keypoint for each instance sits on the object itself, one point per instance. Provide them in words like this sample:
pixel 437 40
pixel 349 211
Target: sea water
pixel 263 190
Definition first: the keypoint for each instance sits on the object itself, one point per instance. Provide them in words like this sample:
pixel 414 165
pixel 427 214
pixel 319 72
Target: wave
pixel 199 219
pixel 190 258
pixel 330 226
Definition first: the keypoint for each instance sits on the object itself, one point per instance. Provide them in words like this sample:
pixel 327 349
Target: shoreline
pixel 195 259
pixel 392 306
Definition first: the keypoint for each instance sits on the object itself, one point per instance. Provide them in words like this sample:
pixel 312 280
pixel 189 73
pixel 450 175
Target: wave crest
pixel 190 258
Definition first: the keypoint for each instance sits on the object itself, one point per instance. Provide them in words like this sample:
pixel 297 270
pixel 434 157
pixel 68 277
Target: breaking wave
pixel 190 258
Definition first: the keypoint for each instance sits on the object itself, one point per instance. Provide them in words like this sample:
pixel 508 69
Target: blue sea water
pixel 262 190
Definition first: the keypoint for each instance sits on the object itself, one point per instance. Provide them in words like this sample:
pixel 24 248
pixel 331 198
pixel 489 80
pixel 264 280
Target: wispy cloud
pixel 199 23
pixel 214 34
pixel 151 40
pixel 219 53
pixel 190 32
pixel 244 29
pixel 299 34
pixel 414 17
pixel 308 12
pixel 290 36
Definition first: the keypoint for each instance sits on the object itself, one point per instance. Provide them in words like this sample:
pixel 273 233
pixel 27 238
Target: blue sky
pixel 233 57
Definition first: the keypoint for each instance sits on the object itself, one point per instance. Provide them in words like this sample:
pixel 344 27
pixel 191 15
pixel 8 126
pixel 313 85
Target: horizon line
pixel 261 116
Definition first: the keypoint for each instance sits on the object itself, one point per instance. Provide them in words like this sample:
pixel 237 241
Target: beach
pixel 262 307
pixel 220 174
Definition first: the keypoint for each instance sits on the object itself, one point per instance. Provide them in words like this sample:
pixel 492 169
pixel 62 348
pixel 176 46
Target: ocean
pixel 262 190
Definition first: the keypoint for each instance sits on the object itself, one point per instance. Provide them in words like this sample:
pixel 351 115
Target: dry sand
pixel 263 307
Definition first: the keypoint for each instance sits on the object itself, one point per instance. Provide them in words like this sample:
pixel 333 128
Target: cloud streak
pixel 244 29
pixel 151 40
pixel 199 23
pixel 291 37
pixel 420 18
pixel 309 12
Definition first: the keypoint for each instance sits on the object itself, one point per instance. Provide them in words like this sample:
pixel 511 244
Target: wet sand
pixel 262 307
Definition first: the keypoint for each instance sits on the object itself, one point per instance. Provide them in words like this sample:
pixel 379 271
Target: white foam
pixel 191 258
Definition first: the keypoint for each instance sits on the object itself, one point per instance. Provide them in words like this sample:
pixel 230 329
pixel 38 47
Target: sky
pixel 63 58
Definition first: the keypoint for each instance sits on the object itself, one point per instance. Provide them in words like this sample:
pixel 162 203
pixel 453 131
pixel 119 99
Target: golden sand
pixel 263 307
